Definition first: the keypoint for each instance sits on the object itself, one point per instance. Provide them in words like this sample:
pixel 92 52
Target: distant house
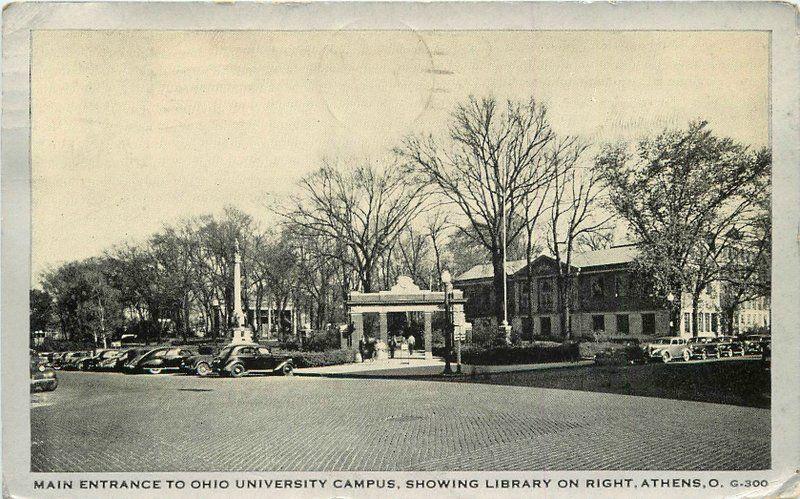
pixel 607 297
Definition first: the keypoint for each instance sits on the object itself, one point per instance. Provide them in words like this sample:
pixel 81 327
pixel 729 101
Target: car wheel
pixel 237 370
pixel 666 357
pixel 288 370
pixel 154 370
pixel 687 355
pixel 203 369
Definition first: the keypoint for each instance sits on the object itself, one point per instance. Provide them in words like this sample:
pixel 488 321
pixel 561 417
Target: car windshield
pixel 225 352
pixel 661 341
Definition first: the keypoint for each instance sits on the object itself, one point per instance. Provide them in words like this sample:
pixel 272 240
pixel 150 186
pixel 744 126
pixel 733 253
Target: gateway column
pixel 357 319
pixel 428 334
pixel 383 330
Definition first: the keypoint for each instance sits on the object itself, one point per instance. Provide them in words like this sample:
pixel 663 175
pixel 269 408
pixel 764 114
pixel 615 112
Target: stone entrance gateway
pixel 404 296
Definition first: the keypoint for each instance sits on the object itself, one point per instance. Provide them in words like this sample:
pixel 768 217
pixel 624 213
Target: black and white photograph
pixel 401 250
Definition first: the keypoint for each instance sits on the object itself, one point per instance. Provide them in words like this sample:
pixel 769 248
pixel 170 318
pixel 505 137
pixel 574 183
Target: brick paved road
pixel 113 422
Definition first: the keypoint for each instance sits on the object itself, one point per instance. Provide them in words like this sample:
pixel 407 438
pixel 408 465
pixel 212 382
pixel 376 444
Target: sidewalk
pixel 419 367
pixel 372 366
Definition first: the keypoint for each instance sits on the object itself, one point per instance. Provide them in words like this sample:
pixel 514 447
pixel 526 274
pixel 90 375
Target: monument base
pixel 242 335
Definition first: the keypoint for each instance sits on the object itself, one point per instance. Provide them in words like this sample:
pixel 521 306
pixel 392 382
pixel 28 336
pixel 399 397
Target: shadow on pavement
pixel 741 382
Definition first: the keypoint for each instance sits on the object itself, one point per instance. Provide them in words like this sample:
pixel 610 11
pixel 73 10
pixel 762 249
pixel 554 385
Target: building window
pixel 648 323
pixel 598 323
pixel 522 289
pixel 687 322
pixel 623 325
pixel 546 295
pixel 597 287
pixel 620 287
pixel 714 323
pixel 545 328
pixel 708 321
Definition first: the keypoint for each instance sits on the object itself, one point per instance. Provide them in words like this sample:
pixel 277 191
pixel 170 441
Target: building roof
pixel 611 256
pixel 486 270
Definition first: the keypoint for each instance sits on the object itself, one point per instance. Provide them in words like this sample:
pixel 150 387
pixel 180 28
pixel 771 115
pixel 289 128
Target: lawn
pixel 731 381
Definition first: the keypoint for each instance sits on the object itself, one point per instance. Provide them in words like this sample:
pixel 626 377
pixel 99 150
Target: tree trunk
pixel 366 278
pixel 695 306
pixel 562 306
pixel 727 319
pixel 186 313
pixel 499 278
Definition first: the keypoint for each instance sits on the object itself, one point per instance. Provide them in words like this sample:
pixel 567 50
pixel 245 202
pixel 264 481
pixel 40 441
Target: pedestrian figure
pixel 392 346
pixel 373 344
pixel 362 349
pixel 411 341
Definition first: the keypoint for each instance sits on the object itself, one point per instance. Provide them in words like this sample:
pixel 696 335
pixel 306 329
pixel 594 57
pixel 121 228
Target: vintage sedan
pixel 71 361
pixel 200 363
pixel 766 354
pixel 125 355
pixel 93 362
pixel 43 377
pixel 667 348
pixel 158 360
pixel 701 347
pixel 753 343
pixel 239 360
pixel 58 359
pixel 730 346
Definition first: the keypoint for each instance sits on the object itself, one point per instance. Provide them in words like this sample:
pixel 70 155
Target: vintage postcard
pixel 400 250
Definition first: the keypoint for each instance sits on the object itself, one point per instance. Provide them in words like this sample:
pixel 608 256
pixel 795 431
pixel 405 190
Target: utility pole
pixel 102 312
pixel 504 327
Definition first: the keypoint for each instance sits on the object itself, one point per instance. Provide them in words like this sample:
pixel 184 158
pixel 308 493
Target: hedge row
pixel 528 354
pixel 320 359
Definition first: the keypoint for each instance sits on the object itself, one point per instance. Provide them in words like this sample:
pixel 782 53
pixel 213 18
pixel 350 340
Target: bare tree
pixel 597 240
pixel 364 209
pixel 489 164
pixel 573 214
pixel 436 225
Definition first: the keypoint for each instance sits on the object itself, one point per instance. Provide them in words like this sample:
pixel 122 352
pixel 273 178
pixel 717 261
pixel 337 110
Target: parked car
pixel 753 343
pixel 158 360
pixel 766 354
pixel 200 363
pixel 46 357
pixel 667 348
pixel 239 360
pixel 123 356
pixel 71 361
pixel 729 346
pixel 93 362
pixel 43 377
pixel 58 359
pixel 701 347
pixel 617 356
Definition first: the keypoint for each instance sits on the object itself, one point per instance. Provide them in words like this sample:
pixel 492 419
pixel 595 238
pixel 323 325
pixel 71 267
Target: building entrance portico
pixel 403 297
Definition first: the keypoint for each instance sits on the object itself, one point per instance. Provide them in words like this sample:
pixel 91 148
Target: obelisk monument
pixel 241 334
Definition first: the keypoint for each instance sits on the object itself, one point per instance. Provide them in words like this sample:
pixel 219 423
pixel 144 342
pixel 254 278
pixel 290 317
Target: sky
pixel 132 130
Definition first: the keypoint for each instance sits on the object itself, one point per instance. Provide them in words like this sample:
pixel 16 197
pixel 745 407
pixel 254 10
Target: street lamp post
pixel 215 321
pixel 448 333
pixel 671 300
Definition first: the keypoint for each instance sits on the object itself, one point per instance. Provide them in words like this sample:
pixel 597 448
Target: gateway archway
pixel 404 296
